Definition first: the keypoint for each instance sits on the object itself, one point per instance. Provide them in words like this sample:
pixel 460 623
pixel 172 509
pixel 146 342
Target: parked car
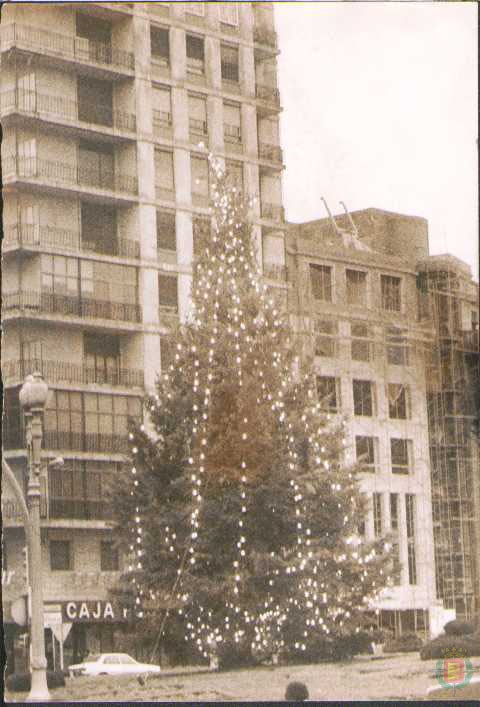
pixel 111 664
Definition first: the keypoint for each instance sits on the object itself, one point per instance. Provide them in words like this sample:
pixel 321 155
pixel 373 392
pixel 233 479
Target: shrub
pixel 296 692
pixel 20 682
pixel 234 655
pixel 403 644
pixel 458 628
pixel 330 648
pixel 440 647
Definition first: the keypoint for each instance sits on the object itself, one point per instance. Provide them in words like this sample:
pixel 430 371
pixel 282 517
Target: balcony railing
pixel 232 133
pixel 79 509
pixel 29 38
pixel 470 341
pixel 272 153
pixel 30 301
pixel 65 372
pixel 51 237
pixel 275 272
pixel 268 93
pixel 77 441
pixel 40 105
pixel 198 127
pixel 68 174
pixel 263 35
pixel 273 212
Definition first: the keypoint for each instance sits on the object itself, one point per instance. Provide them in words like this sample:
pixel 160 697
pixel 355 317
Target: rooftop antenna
pixel 354 228
pixel 334 224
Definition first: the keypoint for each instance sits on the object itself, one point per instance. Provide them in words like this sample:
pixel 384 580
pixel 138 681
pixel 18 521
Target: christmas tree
pixel 241 515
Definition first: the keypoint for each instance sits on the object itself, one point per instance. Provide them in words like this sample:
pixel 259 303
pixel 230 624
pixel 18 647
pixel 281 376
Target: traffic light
pixel 25 575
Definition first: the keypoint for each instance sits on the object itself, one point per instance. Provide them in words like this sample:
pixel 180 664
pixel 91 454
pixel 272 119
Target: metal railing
pixel 232 133
pixel 70 47
pixel 68 174
pixel 198 127
pixel 65 372
pixel 268 93
pixel 78 441
pixel 162 119
pixel 51 237
pixel 79 509
pixel 51 303
pixel 272 153
pixel 37 103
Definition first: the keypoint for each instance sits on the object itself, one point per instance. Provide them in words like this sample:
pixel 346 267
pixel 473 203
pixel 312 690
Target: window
pixel 59 274
pixel 60 557
pixel 26 89
pixel 166 231
pixel 377 514
pixel 391 298
pixel 30 223
pixel 107 416
pixel 229 63
pixel 363 398
pixel 398 401
pixel 164 175
pixel 168 292
pixel 160 44
pixel 398 351
pixel 328 393
pixel 32 353
pixel 195 55
pixel 99 228
pixel 93 28
pixel 325 337
pixel 197 115
pixel 162 108
pixel 95 101
pixel 361 344
pixel 101 358
pixel 365 452
pixel 200 190
pixel 229 13
pixel 80 490
pixel 400 450
pixel 27 157
pixel 234 174
pixel 410 519
pixel 321 282
pixel 109 561
pixel 394 511
pixel 232 123
pixel 109 283
pixel 356 287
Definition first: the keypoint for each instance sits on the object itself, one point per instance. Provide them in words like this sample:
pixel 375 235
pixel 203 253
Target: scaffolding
pixel 452 375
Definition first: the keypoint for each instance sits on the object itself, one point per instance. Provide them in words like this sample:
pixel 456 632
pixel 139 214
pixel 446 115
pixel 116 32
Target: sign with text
pixel 93 611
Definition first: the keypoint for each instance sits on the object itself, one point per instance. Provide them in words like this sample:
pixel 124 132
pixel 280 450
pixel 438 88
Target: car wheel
pixel 103 673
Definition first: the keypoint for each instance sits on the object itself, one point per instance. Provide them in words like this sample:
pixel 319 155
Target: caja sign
pixel 93 611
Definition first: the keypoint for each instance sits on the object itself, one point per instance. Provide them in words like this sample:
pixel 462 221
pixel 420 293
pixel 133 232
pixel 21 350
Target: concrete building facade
pixel 108 111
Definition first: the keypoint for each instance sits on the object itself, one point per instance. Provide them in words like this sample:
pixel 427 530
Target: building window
pixel 326 332
pixel 168 292
pixel 95 101
pixel 391 294
pixel 195 55
pixel 229 63
pixel 197 115
pixel 232 123
pixel 410 521
pixel 59 274
pixel 60 555
pixel 365 448
pixel 160 44
pixel 99 228
pixel 32 353
pixel 394 512
pixel 401 454
pixel 101 358
pixel 162 108
pixel 96 165
pixel 328 393
pixel 107 416
pixel 398 351
pixel 166 231
pixel 164 175
pixel 398 401
pixel 80 490
pixel 361 344
pixel 200 188
pixel 109 559
pixel 377 514
pixel 356 287
pixel 363 398
pixel 27 157
pixel 234 174
pixel 321 282
pixel 229 13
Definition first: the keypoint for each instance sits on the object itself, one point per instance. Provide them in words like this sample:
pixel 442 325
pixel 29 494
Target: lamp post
pixel 33 397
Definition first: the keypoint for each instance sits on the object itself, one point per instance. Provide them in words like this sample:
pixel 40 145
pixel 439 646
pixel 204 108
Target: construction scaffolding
pixel 447 305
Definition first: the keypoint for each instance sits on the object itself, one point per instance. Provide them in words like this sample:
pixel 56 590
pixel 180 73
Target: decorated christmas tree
pixel 240 513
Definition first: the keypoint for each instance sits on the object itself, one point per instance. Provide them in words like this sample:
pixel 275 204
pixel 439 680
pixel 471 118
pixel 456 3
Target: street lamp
pixel 33 397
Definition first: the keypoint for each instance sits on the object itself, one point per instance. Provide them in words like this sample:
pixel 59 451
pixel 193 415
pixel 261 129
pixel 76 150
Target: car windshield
pixel 124 658
pixel 91 659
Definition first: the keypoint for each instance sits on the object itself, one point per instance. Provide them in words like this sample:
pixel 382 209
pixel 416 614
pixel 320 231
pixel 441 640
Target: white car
pixel 111 664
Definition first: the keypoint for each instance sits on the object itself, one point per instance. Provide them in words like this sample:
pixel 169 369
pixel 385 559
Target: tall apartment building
pixel 353 304
pixel 107 112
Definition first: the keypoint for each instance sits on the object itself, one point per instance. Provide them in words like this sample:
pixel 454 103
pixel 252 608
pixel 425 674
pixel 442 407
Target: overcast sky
pixel 380 109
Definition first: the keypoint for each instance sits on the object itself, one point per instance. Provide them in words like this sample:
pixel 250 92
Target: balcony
pixel 265 36
pixel 168 315
pixel 79 509
pixel 65 372
pixel 67 49
pixel 271 153
pixel 30 302
pixel 54 175
pixel 37 237
pixel 162 123
pixel 59 109
pixel 198 130
pixel 272 212
pixel 269 97
pixel 75 441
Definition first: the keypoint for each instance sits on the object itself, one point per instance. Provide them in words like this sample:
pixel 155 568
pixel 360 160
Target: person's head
pixel 296 692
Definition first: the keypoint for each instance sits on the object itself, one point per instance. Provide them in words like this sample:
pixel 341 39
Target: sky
pixel 380 110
